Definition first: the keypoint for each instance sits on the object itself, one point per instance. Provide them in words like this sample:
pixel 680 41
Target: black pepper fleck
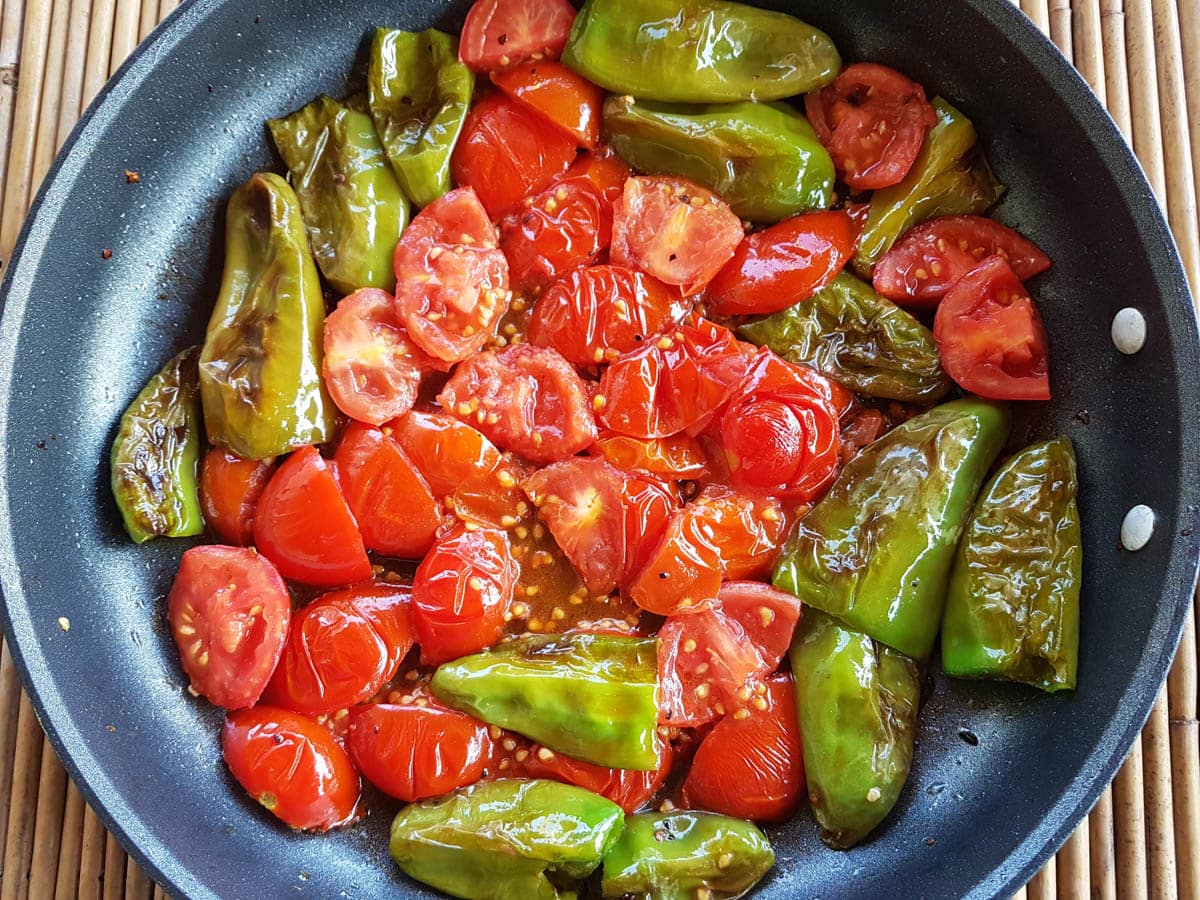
pixel 969 736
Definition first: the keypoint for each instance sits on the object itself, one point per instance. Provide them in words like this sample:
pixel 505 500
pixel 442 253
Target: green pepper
pixel 590 696
pixel 260 371
pixel 419 95
pixel 349 195
pixel 502 840
pixel 946 179
pixel 685 855
pixel 877 551
pixel 1012 611
pixel 857 707
pixel 154 456
pixel 854 336
pixel 763 158
pixel 701 51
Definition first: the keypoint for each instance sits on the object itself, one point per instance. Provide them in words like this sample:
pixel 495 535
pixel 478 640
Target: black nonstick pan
pixel 83 329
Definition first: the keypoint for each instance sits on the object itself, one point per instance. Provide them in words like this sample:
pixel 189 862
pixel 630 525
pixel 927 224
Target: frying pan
pixel 81 334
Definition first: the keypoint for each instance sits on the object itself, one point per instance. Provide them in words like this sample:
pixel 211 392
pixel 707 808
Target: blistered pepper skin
pixel 592 697
pixel 764 159
pixel 857 705
pixel 352 204
pixel 684 855
pixel 1012 611
pixel 260 370
pixel 419 97
pixel 702 51
pixel 155 454
pixel 877 551
pixel 498 840
pixel 853 335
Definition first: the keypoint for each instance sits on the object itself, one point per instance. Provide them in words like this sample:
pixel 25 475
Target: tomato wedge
pixel 498 33
pixel 292 766
pixel 872 120
pixel 676 458
pixel 563 98
pixel 768 616
pixel 229 612
pixel 229 490
pixel 413 751
pixel 990 335
pixel 305 527
pixel 604 169
pixel 779 266
pixel 630 789
pixel 451 278
pixel 930 258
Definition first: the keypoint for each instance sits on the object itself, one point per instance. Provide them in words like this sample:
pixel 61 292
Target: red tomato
pixel 498 33
pixel 229 612
pixel 229 490
pixel 562 97
pixel 451 278
pixel 990 335
pixel 630 789
pixel 676 458
pixel 749 766
pixel 461 592
pixel 603 168
pixel 860 428
pixel 507 152
pixel 566 226
pixel 292 766
pixel 342 648
pixel 780 432
pixel 415 752
pixel 526 399
pixel 372 369
pixel 747 530
pixel 675 230
pixel 595 314
pixel 872 120
pixel 707 667
pixel 396 511
pixel 305 527
pixel 767 615
pixel 779 266
pixel 674 383
pixel 930 258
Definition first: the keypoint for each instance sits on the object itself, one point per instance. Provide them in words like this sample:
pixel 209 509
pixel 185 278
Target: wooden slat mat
pixel 1142 57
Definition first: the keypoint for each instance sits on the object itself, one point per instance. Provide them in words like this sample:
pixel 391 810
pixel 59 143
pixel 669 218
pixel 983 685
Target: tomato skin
pixel 498 33
pixel 768 616
pixel 860 428
pixel 604 169
pixel 508 152
pixel 414 752
pixel 566 226
pixel 751 767
pixel 292 766
pixel 630 789
pixel 564 98
pixel 229 612
pixel 990 335
pixel 395 509
pixel 677 458
pixel 930 258
pixel 461 592
pixel 304 525
pixel 229 490
pixel 779 266
pixel 748 530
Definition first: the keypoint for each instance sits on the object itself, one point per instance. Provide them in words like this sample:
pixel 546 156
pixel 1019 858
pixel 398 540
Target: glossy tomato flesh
pixel 630 789
pixel 676 458
pixel 604 169
pixel 563 98
pixel 229 490
pixel 498 33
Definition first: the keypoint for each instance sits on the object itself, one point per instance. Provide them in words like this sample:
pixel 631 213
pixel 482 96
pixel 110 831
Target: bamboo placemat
pixel 1142 58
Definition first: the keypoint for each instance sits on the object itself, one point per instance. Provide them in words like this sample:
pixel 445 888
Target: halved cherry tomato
pixel 413 752
pixel 526 399
pixel 750 766
pixel 564 98
pixel 451 278
pixel 292 766
pixel 675 230
pixel 461 592
pixel 305 527
pixel 872 120
pixel 990 335
pixel 675 458
pixel 229 612
pixel 566 226
pixel 342 648
pixel 707 668
pixel 595 314
pixel 229 490
pixel 395 508
pixel 498 33
pixel 767 615
pixel 508 152
pixel 747 530
pixel 779 266
pixel 630 789
pixel 603 168
pixel 930 258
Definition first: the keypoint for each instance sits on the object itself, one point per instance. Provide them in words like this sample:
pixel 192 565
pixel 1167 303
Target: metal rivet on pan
pixel 1129 330
pixel 1138 528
